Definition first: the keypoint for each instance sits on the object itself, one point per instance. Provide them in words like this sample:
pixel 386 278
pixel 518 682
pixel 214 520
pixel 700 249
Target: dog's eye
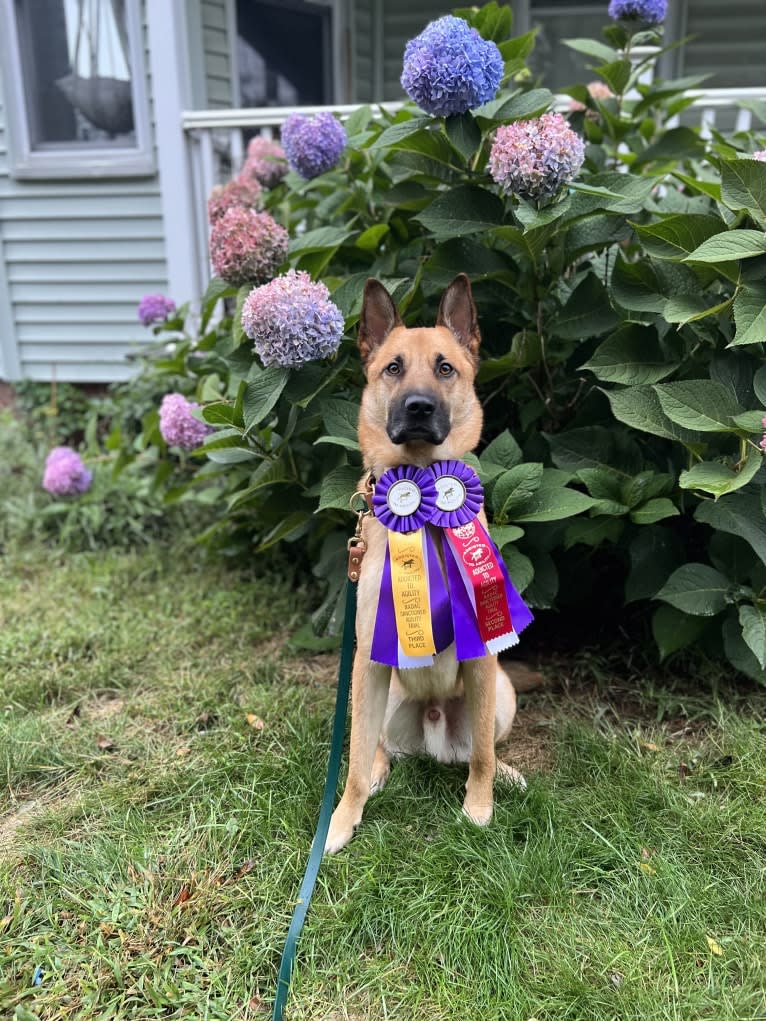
pixel 445 369
pixel 393 368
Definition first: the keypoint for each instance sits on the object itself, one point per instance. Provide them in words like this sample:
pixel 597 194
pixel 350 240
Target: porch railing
pixel 215 139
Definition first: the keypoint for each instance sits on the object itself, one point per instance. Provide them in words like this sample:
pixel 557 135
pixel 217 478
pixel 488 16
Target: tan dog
pixel 419 406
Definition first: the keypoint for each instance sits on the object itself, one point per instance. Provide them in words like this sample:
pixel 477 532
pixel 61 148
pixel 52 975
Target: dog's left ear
pixel 458 313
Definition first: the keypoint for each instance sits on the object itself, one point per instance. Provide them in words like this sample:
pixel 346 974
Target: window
pixel 74 83
pixel 284 53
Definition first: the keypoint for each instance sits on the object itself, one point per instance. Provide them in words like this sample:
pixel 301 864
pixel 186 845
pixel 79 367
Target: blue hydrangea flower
pixel 291 320
pixel 449 69
pixel 650 12
pixel 313 144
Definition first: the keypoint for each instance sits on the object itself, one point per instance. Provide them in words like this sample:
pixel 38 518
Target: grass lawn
pixel 163 753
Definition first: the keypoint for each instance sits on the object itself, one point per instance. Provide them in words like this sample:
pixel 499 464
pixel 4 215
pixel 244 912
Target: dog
pixel 419 406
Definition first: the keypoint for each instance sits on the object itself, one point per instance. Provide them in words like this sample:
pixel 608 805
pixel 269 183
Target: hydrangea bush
pixel 618 262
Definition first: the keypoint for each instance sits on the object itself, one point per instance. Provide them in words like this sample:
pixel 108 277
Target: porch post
pixel 171 94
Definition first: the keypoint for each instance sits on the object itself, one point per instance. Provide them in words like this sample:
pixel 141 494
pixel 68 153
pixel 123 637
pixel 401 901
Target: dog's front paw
pixel 340 832
pixel 507 774
pixel 480 813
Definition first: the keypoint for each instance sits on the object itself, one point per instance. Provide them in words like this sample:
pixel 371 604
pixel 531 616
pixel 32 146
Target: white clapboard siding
pixel 76 256
pixel 216 53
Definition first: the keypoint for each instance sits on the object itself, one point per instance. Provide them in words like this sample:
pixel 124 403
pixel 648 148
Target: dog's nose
pixel 419 405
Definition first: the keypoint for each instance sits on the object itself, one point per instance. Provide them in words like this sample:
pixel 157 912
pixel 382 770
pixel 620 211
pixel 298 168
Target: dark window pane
pixel 75 66
pixel 284 53
pixel 551 60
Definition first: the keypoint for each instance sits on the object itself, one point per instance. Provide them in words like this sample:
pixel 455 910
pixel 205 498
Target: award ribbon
pixel 417 616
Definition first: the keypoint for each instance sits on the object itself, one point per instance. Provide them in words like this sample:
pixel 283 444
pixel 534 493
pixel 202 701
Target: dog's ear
pixel 379 316
pixel 458 313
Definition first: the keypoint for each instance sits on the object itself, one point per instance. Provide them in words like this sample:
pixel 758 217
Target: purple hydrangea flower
pixel 266 162
pixel 449 69
pixel 247 247
pixel 239 192
pixel 534 158
pixel 178 427
pixel 292 320
pixel 760 155
pixel 65 474
pixel 155 308
pixel 650 12
pixel 313 144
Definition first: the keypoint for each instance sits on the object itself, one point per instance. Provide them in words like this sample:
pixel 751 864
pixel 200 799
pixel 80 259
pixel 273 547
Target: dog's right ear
pixel 379 316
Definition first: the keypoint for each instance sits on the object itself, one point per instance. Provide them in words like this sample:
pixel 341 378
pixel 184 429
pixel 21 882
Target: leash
pixel 356 549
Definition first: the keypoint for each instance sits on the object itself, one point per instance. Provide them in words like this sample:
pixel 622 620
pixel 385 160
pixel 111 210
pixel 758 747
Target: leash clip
pixel 356 545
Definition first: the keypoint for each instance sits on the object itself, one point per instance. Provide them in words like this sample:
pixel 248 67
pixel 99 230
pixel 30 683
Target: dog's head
pixel 419 404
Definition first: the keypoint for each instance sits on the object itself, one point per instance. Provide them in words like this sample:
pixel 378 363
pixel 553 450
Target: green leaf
pixel 675 236
pixel 516 108
pixel 369 239
pixel 464 134
pixel 592 531
pixel 688 308
pixel 466 209
pixel 587 447
pixel 594 49
pixel 750 315
pixel 640 408
pixel 341 418
pixel 322 239
pixel 397 133
pixel 519 568
pixel 646 286
pixel 237 330
pixel 503 534
pixel 269 473
pixel 730 245
pixel 719 479
pixel 262 394
pixel 750 421
pixel 338 487
pixel 587 313
pixel 739 653
pixel 759 384
pixel 295 524
pixel 338 441
pixel 702 405
pixel 645 486
pixel 743 186
pixel 514 487
pixel 673 630
pixel 654 510
pixel 632 355
pixel 220 413
pixel 633 192
pixel 739 514
pixel 616 74
pixel 753 621
pixel 553 503
pixel 696 589
pixel 503 450
pixel 676 144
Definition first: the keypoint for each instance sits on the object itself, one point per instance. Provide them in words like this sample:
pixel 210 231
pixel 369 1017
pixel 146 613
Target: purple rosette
pixel 405 498
pixel 459 494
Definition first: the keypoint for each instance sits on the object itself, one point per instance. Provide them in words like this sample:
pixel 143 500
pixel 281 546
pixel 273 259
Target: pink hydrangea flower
pixel 763 441
pixel 239 192
pixel 65 474
pixel 246 246
pixel 291 320
pixel 266 162
pixel 178 427
pixel 596 90
pixel 760 155
pixel 534 158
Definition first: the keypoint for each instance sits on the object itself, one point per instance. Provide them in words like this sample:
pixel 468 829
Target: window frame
pixel 90 161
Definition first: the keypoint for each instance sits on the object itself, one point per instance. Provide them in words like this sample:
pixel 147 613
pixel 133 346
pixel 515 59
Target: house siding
pixel 75 257
pixel 727 41
pixel 216 51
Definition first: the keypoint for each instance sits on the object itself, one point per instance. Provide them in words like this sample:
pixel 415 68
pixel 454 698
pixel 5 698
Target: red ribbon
pixel 477 558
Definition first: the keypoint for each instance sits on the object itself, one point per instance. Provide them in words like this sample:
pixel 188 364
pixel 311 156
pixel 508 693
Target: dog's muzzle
pixel 418 416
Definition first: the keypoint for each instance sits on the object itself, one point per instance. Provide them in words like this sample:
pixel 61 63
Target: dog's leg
pixel 479 679
pixel 381 767
pixel 369 692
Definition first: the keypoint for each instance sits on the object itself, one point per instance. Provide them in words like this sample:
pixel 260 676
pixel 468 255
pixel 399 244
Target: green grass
pixel 152 840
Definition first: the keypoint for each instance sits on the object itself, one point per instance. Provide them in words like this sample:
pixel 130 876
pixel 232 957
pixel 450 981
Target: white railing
pixel 216 147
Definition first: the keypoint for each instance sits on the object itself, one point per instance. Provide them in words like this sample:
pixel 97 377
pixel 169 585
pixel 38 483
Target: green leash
pixel 328 800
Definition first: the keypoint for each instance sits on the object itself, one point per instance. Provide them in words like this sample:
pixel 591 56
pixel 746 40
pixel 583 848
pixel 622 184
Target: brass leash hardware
pixel 356 545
